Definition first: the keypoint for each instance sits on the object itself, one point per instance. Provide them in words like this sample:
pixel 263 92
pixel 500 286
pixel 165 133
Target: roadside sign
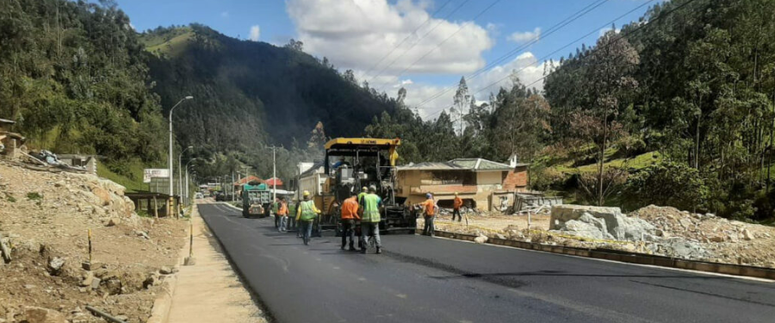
pixel 149 173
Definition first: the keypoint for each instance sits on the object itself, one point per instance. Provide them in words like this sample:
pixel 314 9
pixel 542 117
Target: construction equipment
pixel 352 163
pixel 256 200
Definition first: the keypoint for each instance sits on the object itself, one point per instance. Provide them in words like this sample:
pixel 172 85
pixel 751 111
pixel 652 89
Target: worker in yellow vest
pixel 370 220
pixel 364 191
pixel 306 213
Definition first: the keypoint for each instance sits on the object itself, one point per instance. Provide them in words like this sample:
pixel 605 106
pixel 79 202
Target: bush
pixel 667 184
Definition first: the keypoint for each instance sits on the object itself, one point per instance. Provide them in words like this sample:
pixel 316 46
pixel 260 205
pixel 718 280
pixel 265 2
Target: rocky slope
pixel 45 218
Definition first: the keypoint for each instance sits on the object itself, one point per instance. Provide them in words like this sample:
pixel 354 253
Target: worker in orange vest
pixel 349 216
pixel 456 205
pixel 429 211
pixel 282 212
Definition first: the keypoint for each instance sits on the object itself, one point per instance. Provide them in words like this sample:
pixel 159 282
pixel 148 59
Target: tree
pixel 612 63
pixel 349 76
pixel 461 103
pixel 296 45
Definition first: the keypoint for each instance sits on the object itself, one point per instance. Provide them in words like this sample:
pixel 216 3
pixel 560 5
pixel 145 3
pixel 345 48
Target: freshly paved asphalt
pixel 422 279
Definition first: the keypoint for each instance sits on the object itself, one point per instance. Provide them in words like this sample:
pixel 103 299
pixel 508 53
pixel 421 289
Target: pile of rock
pixel 603 223
pixel 608 223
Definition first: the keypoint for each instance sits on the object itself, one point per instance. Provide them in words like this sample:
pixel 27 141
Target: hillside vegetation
pixel 74 77
pixel 691 82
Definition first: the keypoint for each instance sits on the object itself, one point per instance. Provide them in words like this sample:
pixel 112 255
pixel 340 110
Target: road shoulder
pixel 210 290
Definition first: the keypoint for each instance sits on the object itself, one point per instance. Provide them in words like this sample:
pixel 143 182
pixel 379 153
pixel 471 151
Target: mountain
pixel 250 93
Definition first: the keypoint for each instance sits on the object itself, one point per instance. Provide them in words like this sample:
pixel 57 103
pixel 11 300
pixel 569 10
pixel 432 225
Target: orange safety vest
pixel 350 209
pixel 283 209
pixel 458 203
pixel 430 207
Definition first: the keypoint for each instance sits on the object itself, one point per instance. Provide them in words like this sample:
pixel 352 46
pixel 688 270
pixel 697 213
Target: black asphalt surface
pixel 422 279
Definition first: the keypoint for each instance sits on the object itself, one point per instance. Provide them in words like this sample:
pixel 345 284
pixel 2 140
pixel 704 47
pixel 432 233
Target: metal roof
pixel 480 164
pixel 432 166
pixel 472 164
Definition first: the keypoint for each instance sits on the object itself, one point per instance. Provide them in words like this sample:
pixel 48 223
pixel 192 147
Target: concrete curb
pixel 161 306
pixel 624 256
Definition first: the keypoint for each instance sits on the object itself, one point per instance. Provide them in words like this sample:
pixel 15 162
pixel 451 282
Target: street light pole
pixel 180 171
pixel 170 160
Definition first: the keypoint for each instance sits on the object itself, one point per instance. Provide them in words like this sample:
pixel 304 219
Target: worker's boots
pixel 379 250
pixel 352 248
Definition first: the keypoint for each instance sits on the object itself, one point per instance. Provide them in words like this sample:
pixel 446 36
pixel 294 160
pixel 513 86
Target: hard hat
pixel 306 193
pixel 428 195
pixel 372 188
pixel 365 189
pixel 455 193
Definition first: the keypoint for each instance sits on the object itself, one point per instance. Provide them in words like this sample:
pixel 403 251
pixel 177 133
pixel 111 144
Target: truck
pixel 256 200
pixel 353 163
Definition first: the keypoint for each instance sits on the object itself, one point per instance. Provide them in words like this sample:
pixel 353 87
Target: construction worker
pixel 371 203
pixel 429 211
pixel 364 191
pixel 275 209
pixel 282 212
pixel 306 212
pixel 349 216
pixel 456 205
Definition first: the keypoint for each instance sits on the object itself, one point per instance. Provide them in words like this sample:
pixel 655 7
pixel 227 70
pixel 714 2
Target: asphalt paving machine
pixel 353 163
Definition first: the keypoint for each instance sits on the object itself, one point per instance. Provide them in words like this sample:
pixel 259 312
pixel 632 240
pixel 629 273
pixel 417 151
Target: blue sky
pixel 356 34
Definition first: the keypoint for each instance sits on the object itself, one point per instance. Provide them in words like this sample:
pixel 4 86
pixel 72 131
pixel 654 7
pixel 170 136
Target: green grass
pixel 637 162
pixel 34 196
pixel 171 44
pixel 131 185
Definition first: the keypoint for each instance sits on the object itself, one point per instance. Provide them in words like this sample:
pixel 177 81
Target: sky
pixel 425 46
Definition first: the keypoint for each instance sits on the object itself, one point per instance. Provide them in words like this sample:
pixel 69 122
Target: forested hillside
pixel 674 109
pixel 74 77
pixel 248 93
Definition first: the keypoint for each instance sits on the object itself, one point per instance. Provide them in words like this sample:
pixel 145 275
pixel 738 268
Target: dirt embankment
pixel 44 219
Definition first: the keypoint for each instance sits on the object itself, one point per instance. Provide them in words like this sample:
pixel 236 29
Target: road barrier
pixel 625 256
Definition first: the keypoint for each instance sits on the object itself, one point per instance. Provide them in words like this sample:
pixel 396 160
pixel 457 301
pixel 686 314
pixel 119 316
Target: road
pixel 422 279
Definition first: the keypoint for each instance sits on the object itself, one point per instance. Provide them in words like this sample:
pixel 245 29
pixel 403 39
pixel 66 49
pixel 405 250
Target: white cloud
pixel 225 14
pixel 255 33
pixel 357 33
pixel 527 68
pixel 525 36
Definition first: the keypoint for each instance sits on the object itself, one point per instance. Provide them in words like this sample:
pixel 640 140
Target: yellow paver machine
pixel 353 163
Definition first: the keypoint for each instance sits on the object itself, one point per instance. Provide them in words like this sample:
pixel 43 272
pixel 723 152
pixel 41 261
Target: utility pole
pixel 274 175
pixel 232 187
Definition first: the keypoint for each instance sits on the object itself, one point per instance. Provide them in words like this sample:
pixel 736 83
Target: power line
pixel 640 27
pixel 581 38
pixel 443 41
pixel 630 32
pixel 406 38
pixel 419 40
pixel 592 6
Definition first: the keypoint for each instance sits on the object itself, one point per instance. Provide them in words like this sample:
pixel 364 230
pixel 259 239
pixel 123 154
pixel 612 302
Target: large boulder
pixel 610 221
pixel 585 228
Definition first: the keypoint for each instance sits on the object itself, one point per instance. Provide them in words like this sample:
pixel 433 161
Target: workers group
pixel 363 207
